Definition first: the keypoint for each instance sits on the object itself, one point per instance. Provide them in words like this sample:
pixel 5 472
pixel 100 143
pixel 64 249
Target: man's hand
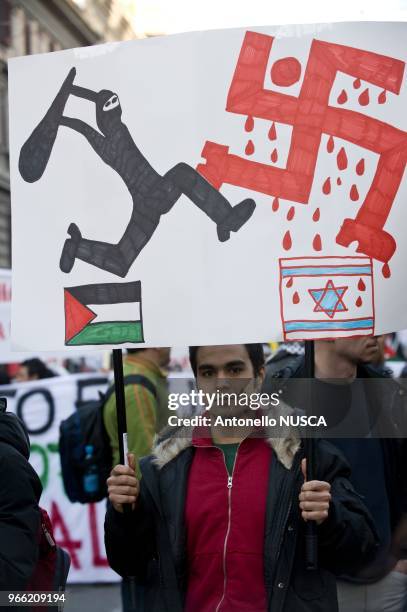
pixel 123 486
pixel 314 498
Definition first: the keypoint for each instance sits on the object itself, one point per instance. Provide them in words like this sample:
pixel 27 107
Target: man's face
pixel 358 350
pixel 226 369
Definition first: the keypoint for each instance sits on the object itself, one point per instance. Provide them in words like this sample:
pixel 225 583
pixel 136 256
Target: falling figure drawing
pixel 153 195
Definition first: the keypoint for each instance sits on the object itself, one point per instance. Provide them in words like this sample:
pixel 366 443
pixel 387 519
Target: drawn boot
pixel 70 248
pixel 235 219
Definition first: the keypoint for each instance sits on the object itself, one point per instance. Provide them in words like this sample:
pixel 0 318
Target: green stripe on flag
pixel 115 332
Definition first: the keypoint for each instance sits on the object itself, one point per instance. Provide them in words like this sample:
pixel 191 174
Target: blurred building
pixel 40 26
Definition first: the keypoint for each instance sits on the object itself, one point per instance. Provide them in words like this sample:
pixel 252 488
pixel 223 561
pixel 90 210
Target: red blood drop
pixel 354 193
pixel 287 242
pixel 339 181
pixel 274 156
pixel 272 132
pixel 382 97
pixel 296 298
pixel 249 125
pixel 386 271
pixel 276 205
pixel 361 285
pixel 343 97
pixel 330 144
pixel 364 97
pixel 316 215
pixel 342 159
pixel 317 243
pixel 289 282
pixel 356 83
pixel 291 213
pixel 360 167
pixel 249 150
pixel 326 187
pixel 359 302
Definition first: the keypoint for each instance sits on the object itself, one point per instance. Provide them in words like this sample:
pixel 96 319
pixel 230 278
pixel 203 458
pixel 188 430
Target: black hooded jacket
pixel 20 490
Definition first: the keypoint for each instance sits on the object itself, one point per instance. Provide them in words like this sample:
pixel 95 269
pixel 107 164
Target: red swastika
pixel 310 116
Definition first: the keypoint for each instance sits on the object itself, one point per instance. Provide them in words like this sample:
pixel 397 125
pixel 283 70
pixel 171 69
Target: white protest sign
pixel 211 188
pixel 78 528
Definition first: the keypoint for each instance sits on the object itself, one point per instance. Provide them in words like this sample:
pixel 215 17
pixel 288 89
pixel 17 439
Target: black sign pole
pixel 311 536
pixel 120 404
pixel 122 433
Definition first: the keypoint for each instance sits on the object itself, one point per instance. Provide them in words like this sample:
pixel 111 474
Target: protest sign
pixel 78 528
pixel 211 188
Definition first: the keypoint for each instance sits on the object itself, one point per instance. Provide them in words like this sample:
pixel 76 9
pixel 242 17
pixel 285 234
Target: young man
pixel 368 409
pixel 217 522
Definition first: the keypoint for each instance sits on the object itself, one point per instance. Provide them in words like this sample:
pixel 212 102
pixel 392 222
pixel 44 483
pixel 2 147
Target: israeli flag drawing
pixel 336 293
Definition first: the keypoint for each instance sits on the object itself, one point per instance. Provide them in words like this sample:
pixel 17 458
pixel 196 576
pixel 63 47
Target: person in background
pixel 284 355
pixel 217 521
pixel 4 375
pixel 146 401
pixel 353 393
pixel 20 491
pixel 33 369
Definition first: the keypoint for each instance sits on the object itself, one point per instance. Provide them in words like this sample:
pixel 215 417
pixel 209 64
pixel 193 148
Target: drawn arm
pixel 95 139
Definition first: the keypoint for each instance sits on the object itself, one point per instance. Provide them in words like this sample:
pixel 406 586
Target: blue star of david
pixel 329 299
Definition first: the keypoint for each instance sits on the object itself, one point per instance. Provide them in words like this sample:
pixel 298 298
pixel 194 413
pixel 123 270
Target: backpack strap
pixel 134 379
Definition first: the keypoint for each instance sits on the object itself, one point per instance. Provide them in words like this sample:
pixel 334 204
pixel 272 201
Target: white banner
pixel 78 528
pixel 268 162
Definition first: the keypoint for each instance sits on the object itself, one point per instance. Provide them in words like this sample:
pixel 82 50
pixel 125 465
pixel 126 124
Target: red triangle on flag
pixel 77 316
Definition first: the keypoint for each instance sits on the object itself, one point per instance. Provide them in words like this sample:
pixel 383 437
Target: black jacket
pixel 387 406
pixel 150 543
pixel 20 490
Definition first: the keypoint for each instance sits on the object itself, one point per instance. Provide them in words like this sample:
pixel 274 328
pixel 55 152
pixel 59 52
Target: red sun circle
pixel 286 71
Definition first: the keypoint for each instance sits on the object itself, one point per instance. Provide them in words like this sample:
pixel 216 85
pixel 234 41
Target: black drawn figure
pixel 153 195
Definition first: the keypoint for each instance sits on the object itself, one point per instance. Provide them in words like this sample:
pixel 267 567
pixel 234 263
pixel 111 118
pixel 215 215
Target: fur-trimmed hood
pixel 169 445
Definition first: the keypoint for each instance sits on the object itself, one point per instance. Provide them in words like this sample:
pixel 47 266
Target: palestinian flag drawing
pixel 104 313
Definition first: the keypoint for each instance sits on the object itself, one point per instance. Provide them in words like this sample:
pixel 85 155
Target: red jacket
pixel 225 519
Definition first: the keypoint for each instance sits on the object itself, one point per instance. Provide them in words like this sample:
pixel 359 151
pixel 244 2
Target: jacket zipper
pixel 229 485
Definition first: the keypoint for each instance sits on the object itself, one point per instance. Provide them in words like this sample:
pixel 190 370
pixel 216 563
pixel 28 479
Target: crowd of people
pixel 208 518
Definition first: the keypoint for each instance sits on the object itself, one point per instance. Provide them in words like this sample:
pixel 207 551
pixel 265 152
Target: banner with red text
pixel 78 528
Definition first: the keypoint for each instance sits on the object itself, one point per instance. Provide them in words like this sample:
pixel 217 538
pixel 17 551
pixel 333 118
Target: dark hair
pixel 36 367
pixel 255 352
pixel 135 350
